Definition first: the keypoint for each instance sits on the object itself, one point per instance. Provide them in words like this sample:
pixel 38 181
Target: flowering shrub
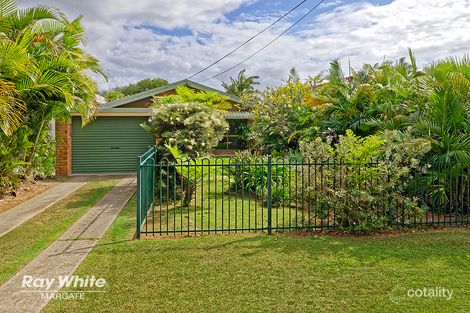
pixel 192 127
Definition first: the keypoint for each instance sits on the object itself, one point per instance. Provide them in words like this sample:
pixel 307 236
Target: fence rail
pixel 225 195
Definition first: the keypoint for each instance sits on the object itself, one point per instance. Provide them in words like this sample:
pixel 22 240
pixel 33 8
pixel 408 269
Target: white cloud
pixel 360 32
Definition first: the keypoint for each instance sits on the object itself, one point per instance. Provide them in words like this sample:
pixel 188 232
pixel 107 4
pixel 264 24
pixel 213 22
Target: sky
pixel 173 39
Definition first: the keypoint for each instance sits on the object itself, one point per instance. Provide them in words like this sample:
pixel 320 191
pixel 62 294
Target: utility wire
pixel 268 44
pixel 247 41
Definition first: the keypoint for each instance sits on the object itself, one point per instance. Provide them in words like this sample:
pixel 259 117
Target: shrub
pixel 193 127
pixel 249 173
pixel 281 116
pixel 366 182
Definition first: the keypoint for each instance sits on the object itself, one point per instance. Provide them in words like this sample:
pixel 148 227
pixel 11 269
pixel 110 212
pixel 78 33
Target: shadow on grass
pixel 413 248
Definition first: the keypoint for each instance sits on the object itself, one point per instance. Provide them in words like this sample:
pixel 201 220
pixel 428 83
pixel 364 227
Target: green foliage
pixel 374 98
pixel 11 163
pixel 365 171
pixel 185 94
pixel 444 118
pixel 249 174
pixel 281 116
pixel 190 170
pixel 193 127
pixel 242 86
pixel 44 75
pixel 131 89
pixel 114 95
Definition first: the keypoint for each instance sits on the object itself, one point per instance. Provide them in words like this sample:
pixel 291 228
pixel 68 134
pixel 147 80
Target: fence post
pixel 138 213
pixel 270 178
pixel 154 179
pixel 389 201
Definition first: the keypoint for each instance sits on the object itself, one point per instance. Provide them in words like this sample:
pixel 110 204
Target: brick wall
pixel 63 161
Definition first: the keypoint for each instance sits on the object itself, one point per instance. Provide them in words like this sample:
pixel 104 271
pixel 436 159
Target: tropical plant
pixel 281 116
pixel 444 119
pixel 242 85
pixel 248 174
pixel 445 116
pixel 43 76
pixel 372 99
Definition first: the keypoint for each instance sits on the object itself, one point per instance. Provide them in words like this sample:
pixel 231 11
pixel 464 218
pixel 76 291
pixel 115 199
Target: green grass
pixel 214 206
pixel 23 243
pixel 257 273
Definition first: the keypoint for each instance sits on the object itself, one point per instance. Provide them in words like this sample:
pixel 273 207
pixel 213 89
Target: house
pixel 113 140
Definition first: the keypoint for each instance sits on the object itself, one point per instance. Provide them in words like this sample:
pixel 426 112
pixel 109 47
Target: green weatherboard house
pixel 113 140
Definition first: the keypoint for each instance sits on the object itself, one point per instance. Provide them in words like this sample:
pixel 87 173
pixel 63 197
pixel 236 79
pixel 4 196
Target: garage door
pixel 108 144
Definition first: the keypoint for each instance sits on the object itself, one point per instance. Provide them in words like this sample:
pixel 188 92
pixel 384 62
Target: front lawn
pixel 257 273
pixel 22 244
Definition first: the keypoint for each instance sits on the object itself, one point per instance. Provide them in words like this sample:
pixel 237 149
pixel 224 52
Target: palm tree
pixel 344 100
pixel 241 86
pixel 373 99
pixel 45 68
pixel 399 94
pixel 445 117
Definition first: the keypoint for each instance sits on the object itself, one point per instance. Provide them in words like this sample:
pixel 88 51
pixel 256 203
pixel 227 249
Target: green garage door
pixel 108 144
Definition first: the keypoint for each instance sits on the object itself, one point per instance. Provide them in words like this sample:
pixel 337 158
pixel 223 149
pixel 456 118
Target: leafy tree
pixel 131 89
pixel 241 86
pixel 184 94
pixel 113 95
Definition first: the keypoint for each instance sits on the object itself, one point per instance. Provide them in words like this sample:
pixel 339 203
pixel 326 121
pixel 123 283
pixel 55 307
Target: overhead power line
pixel 268 44
pixel 248 40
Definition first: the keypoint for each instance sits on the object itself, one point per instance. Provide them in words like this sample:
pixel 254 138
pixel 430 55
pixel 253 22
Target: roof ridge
pixel 151 92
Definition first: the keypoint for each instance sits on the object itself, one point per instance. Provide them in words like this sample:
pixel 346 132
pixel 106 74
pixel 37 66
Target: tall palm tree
pixel 444 120
pixel 241 86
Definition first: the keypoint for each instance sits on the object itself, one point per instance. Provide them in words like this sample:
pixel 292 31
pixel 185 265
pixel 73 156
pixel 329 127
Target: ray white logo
pixel 73 281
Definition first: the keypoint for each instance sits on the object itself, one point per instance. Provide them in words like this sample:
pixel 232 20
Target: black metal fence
pixel 225 195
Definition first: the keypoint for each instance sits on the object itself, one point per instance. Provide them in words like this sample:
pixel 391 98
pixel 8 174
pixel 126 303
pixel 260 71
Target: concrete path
pixel 63 256
pixel 28 209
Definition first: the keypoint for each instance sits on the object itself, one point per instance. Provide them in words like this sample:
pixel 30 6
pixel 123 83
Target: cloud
pixel 357 32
